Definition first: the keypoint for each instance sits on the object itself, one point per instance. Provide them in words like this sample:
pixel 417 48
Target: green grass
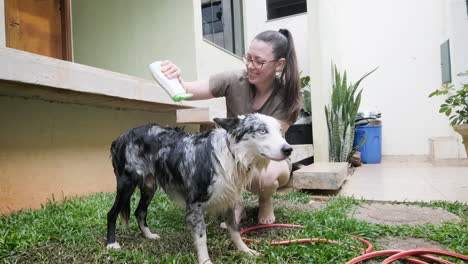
pixel 74 232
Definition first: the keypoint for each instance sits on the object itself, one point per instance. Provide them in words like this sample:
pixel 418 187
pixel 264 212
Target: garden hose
pixel 366 252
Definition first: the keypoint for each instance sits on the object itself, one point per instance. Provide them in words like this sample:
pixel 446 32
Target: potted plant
pixel 301 131
pixel 456 107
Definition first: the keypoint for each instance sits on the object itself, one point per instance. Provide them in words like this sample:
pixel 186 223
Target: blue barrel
pixel 371 151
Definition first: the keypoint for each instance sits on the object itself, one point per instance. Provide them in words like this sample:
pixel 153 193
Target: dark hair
pixel 283 47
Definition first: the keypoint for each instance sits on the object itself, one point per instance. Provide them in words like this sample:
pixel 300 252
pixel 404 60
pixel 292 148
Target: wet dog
pixel 206 172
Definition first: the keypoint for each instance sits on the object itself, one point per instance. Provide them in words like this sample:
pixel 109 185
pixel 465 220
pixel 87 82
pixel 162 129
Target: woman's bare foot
pixel 266 215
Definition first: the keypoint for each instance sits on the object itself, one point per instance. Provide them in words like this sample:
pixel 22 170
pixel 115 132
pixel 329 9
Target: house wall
pixel 456 25
pixel 213 59
pixel 126 36
pixel 255 21
pixel 402 38
pixel 55 150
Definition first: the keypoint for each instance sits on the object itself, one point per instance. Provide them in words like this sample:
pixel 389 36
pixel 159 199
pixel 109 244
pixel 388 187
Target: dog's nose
pixel 286 149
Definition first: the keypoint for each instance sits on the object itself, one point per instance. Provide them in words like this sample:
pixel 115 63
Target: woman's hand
pixel 199 89
pixel 171 70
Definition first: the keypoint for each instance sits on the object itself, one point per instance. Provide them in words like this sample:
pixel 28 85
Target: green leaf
pixel 436 92
pixel 448 112
pixel 341 115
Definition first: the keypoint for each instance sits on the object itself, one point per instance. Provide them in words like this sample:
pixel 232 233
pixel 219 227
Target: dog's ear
pixel 229 124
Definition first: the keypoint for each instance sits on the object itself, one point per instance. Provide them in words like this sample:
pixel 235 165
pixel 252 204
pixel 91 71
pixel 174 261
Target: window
pixel 282 8
pixel 222 24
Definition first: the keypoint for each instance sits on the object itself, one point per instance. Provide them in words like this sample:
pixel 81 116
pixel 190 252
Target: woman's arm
pixel 200 89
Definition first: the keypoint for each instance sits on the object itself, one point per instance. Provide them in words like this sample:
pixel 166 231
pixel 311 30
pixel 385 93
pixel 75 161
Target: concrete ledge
pixel 28 75
pixel 201 115
pixel 321 176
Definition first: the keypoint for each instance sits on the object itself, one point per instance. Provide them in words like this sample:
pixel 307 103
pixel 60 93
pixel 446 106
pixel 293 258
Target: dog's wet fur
pixel 204 171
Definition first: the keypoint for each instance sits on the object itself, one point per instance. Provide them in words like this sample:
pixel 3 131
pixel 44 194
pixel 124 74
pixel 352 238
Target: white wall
pixel 255 21
pixel 407 50
pixel 457 31
pixel 403 39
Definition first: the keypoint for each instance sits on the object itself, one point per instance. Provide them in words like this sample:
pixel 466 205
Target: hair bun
pixel 285 32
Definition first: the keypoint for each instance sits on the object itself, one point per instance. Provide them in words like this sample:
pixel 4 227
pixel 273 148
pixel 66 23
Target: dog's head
pixel 257 134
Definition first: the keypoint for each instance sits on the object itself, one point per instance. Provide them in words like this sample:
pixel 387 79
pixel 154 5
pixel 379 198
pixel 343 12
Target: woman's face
pixel 261 53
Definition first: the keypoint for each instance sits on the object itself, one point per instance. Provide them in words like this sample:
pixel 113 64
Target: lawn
pixel 74 232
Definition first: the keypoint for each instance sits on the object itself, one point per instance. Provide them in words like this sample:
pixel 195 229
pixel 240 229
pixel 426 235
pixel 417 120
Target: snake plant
pixel 341 115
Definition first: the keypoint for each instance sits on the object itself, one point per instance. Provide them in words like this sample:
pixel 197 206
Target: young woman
pixel 269 85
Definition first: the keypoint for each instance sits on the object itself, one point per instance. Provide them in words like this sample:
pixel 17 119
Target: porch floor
pixel 409 178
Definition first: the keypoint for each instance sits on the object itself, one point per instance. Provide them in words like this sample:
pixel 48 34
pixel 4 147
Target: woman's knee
pixel 275 176
pixel 281 172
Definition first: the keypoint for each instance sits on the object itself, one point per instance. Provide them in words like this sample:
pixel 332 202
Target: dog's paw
pixel 114 245
pixel 208 261
pixel 147 233
pixel 152 236
pixel 252 252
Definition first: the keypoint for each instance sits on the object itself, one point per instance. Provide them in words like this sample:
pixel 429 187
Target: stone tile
pixel 399 214
pixel 412 178
pixel 403 243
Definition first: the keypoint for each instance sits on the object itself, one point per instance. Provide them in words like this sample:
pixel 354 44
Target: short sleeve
pixel 221 83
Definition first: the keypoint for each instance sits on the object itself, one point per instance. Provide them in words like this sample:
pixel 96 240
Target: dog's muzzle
pixel 286 150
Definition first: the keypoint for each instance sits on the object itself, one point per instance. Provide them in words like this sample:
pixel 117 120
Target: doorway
pixel 39 26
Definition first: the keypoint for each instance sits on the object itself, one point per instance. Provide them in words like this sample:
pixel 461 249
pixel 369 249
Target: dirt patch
pixel 399 214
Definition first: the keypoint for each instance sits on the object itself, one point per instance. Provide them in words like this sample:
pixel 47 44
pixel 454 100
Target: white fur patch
pixel 147 233
pixel 202 250
pixel 114 245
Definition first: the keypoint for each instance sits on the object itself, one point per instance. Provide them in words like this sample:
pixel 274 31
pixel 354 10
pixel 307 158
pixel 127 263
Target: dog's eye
pixel 263 131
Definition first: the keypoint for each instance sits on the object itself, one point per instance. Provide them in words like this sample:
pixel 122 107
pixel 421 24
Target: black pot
pixel 299 134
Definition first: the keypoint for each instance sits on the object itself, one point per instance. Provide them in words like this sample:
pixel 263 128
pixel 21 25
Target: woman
pixel 269 85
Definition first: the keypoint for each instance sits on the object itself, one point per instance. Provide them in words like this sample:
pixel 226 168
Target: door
pixel 39 26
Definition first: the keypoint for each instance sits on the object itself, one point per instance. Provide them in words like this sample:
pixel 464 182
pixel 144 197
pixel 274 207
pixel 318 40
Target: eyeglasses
pixel 257 64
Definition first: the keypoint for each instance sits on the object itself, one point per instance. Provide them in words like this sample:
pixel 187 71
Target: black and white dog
pixel 205 171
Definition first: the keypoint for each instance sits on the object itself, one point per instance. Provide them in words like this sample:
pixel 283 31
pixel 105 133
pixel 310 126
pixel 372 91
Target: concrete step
pixel 444 148
pixel 320 176
pixel 301 152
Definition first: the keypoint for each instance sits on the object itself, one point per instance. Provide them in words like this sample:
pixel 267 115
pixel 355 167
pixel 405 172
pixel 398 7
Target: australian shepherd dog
pixel 206 172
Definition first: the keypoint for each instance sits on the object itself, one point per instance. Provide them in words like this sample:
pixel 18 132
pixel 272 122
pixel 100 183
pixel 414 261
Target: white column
pixel 318 81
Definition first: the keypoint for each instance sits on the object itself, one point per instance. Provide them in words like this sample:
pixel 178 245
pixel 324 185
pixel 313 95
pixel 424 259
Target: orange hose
pixel 366 253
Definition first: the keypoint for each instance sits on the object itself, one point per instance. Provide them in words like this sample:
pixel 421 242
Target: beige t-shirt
pixel 239 93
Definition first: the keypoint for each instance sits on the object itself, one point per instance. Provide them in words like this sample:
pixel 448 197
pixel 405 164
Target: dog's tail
pixel 117 152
